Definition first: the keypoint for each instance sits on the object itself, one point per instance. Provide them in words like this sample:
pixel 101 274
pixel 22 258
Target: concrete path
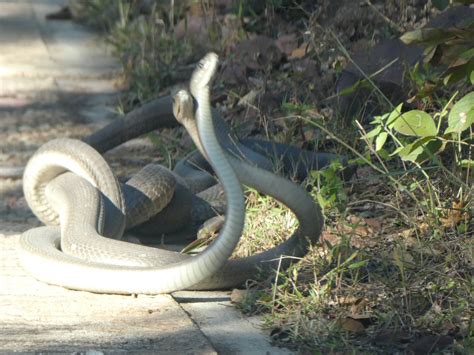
pixel 57 80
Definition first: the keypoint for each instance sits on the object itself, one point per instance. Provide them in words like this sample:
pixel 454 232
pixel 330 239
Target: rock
pixel 390 80
pixel 451 17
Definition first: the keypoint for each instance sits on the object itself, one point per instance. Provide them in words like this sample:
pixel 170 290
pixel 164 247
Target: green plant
pixel 103 14
pixel 428 137
pixel 150 55
pixel 330 192
pixel 424 80
pixel 450 47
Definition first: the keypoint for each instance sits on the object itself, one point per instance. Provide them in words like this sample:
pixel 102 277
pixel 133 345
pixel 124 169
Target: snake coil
pixel 99 264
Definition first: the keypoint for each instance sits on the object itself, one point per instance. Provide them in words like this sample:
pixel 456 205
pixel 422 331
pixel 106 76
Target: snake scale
pixel 111 266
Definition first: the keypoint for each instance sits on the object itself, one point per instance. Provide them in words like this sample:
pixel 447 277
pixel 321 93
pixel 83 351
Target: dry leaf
pixel 250 98
pixel 407 233
pixel 455 215
pixel 329 237
pixel 351 325
pixel 424 227
pixel 375 223
pixel 309 134
pixel 300 52
pixel 357 227
pixel 348 300
pixel 358 309
pixel 361 235
pixel 353 219
pixel 238 296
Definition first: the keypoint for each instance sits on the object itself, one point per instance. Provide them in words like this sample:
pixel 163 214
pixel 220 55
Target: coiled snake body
pixel 94 263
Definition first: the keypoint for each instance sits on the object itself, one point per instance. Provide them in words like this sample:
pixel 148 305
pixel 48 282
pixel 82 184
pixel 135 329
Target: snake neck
pixel 193 131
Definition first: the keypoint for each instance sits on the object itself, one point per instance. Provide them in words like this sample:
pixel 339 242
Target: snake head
pixel 183 110
pixel 204 73
pixel 183 107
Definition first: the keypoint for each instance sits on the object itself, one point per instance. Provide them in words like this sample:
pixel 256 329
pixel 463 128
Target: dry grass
pixel 261 212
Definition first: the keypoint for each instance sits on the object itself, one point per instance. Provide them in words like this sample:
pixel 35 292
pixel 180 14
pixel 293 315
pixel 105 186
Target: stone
pixel 390 80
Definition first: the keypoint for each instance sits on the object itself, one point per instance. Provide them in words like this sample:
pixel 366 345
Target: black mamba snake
pixel 116 267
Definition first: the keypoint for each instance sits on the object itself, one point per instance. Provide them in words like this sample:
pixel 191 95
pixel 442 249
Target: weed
pixel 151 57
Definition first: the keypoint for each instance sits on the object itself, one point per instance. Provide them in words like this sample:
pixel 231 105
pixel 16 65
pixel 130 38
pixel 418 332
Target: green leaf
pixel 411 37
pixel 380 141
pixel 396 151
pixel 379 119
pixel 373 133
pixel 445 111
pixel 351 89
pixel 428 53
pixel 467 55
pixel 461 116
pixel 415 123
pixel 383 154
pixel 420 141
pixel 428 36
pixel 394 115
pixel 471 77
pixel 430 148
pixel 455 75
pixel 467 163
pixel 408 153
pixel 460 72
pixel 421 149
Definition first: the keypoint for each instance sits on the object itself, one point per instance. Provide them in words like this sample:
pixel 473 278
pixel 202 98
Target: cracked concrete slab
pixel 42 318
pixel 229 331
